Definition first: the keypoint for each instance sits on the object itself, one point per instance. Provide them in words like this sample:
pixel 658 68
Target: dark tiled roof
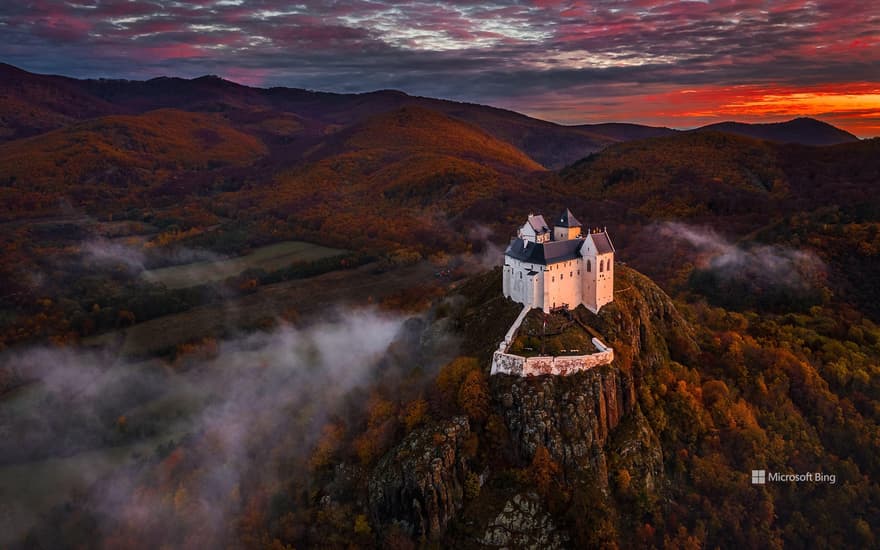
pixel 603 243
pixel 526 251
pixel 544 253
pixel 566 219
pixel 560 251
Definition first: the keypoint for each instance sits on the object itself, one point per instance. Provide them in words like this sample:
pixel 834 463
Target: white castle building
pixel 560 267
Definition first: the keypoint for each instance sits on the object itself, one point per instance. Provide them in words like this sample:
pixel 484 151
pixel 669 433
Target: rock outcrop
pixel 523 523
pixel 635 448
pixel 571 416
pixel 419 484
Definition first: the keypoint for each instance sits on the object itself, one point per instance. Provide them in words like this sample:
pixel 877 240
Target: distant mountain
pixel 295 120
pixel 623 131
pixel 805 131
pixel 31 104
pixel 801 196
pixel 417 130
pixel 50 102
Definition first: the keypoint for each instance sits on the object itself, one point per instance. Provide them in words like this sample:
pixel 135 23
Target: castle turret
pixel 566 226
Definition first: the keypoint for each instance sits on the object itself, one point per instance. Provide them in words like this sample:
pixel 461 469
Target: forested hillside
pixel 263 319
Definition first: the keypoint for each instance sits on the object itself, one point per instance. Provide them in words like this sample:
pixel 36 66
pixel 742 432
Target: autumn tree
pixel 544 470
pixel 473 396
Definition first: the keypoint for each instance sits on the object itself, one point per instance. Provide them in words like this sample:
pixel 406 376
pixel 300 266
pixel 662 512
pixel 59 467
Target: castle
pixel 560 267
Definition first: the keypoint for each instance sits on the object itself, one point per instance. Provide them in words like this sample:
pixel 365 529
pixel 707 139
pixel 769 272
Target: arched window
pixel 520 274
pixel 561 276
pixel 589 266
pixel 601 266
pixel 609 265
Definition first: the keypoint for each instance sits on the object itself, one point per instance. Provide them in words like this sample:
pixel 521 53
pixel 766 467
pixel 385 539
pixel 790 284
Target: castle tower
pixel 535 230
pixel 566 226
pixel 597 255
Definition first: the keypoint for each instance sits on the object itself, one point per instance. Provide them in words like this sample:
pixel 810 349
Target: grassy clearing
pixel 560 336
pixel 268 258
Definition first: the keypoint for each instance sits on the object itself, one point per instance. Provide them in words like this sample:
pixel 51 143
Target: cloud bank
pixel 233 406
pixel 770 264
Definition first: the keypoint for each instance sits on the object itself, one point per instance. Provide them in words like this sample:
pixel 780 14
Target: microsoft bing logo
pixel 759 477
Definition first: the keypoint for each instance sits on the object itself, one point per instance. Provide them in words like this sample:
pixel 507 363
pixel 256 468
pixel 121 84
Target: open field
pixel 269 258
pixel 305 296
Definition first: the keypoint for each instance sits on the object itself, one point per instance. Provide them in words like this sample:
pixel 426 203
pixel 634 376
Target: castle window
pixel 520 274
pixel 571 274
pixel 562 276
pixel 589 266
pixel 601 266
pixel 553 279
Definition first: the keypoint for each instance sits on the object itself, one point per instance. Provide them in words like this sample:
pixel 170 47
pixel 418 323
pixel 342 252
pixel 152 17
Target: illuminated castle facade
pixel 559 266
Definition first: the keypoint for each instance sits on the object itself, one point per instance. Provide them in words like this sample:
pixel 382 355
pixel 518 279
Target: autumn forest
pixel 242 317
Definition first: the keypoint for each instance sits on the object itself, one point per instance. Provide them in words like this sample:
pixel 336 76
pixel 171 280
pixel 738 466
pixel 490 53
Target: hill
pixel 805 131
pixel 115 157
pixel 35 103
pixel 402 178
pixel 31 104
pixel 644 452
pixel 48 101
pixel 729 188
pixel 620 131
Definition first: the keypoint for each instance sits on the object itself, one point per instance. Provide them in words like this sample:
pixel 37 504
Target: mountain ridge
pixel 550 144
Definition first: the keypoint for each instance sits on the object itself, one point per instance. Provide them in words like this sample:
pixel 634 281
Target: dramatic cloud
pixel 654 61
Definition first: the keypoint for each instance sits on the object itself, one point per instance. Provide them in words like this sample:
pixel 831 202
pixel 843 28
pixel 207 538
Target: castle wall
pixel 521 287
pixel 605 282
pixel 562 282
pixel 506 363
pixel 517 365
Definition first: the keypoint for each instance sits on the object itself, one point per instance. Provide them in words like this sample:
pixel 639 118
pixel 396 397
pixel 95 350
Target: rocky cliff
pixel 574 417
pixel 419 484
pixel 571 416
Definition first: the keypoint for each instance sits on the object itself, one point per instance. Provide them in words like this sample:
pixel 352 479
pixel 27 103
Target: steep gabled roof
pixel 538 224
pixel 566 219
pixel 603 242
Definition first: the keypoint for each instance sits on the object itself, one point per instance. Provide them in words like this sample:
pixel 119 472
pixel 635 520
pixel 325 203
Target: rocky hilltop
pixel 588 427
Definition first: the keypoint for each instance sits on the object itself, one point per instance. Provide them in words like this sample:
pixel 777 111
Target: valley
pixel 264 318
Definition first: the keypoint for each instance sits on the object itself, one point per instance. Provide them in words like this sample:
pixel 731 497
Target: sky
pixel 678 64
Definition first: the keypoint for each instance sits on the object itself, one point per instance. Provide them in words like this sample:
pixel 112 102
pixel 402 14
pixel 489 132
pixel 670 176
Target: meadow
pixel 267 258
